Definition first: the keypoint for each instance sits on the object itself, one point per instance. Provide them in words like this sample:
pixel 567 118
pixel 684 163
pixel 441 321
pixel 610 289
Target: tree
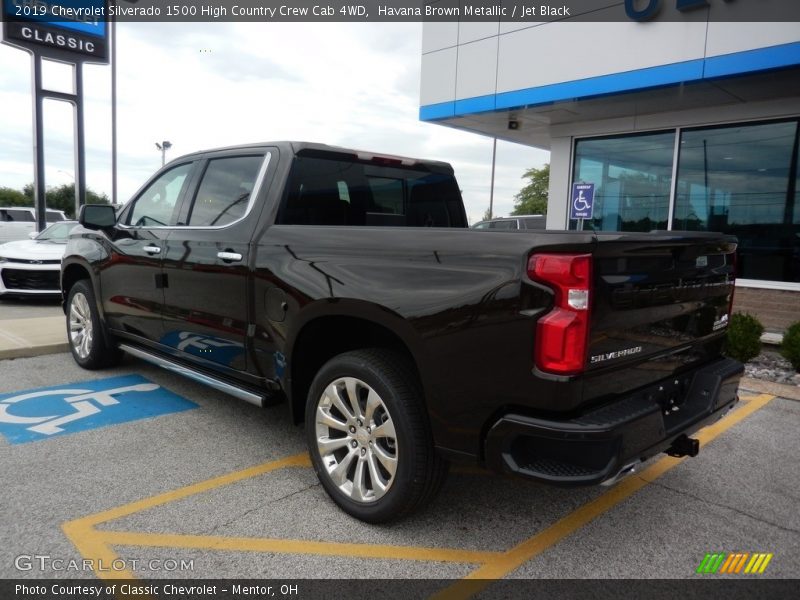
pixel 532 199
pixel 62 197
pixel 11 197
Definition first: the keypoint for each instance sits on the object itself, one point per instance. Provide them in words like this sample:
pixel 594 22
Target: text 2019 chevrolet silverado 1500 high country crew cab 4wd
pixel 349 285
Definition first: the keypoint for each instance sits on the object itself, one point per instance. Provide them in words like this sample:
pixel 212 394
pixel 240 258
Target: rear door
pixel 206 260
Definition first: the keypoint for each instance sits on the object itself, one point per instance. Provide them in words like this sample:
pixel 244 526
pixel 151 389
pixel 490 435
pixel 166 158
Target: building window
pixel 742 180
pixel 632 177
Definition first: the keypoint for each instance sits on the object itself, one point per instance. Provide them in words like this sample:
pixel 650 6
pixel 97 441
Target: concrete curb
pixel 791 392
pixel 31 351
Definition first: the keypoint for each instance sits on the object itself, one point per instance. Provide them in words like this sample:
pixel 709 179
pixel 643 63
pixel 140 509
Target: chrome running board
pixel 209 380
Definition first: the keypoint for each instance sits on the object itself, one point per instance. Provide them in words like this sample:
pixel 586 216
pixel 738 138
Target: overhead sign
pixel 582 201
pixel 58 410
pixel 72 30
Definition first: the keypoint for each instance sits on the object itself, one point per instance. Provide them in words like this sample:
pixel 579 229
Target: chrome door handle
pixel 152 249
pixel 229 256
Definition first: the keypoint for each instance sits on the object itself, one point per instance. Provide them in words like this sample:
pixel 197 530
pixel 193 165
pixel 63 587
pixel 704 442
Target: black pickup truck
pixel 348 284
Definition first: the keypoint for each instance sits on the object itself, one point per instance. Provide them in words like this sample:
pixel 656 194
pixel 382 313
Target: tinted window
pixel 53 216
pixel 481 225
pixel 156 205
pixel 739 180
pixel 323 191
pixel 510 224
pixel 534 222
pixel 224 193
pixel 17 215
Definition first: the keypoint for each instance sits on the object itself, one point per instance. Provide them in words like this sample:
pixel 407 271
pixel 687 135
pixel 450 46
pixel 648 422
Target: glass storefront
pixel 740 179
pixel 632 177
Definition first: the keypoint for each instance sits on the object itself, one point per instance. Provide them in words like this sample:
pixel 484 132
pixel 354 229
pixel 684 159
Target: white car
pixel 33 267
pixel 17 222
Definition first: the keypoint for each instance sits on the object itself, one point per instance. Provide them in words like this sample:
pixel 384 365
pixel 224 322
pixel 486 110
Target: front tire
pixel 369 438
pixel 85 332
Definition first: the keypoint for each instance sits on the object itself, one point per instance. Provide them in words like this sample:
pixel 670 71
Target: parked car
pixel 348 285
pixel 32 267
pixel 18 222
pixel 517 222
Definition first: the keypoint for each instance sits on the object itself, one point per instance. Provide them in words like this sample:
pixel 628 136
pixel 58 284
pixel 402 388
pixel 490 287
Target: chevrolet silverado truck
pixel 348 285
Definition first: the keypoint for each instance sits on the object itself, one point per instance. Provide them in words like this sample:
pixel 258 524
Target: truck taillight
pixel 562 334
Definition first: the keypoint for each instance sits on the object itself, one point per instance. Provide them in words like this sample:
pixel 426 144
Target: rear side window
pixel 534 223
pixel 333 191
pixel 19 216
pixel 224 193
pixel 53 216
pixel 510 224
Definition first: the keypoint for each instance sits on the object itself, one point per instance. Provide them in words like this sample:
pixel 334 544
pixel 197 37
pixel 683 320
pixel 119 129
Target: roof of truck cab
pixel 297 146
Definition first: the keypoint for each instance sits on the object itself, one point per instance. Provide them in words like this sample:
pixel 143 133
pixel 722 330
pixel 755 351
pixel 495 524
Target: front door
pixel 206 298
pixel 132 278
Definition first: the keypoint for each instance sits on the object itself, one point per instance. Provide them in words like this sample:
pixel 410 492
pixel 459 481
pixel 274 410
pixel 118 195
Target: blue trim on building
pixel 736 63
pixel 761 59
pixel 434 112
pixel 603 85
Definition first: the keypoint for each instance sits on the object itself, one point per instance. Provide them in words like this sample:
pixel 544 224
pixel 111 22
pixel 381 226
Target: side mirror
pixel 97 216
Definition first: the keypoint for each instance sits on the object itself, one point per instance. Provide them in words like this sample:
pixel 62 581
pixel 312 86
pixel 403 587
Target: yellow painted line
pixel 297 460
pixel 91 546
pixel 517 556
pixel 89 542
pixel 287 546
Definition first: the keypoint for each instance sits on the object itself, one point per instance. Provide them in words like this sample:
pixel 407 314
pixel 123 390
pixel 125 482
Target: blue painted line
pixel 48 412
pixel 749 61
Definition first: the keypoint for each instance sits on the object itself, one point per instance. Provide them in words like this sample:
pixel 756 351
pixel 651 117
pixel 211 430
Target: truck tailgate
pixel 660 307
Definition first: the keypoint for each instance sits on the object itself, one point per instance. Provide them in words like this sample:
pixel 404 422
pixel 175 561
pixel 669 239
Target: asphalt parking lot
pixel 211 487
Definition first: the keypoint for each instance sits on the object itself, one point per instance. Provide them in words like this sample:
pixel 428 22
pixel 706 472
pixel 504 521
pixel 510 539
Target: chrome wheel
pixel 356 439
pixel 80 325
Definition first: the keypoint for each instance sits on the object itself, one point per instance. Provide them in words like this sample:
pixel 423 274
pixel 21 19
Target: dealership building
pixel 681 120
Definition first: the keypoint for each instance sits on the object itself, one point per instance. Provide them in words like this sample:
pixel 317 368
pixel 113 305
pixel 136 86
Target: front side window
pixel 737 180
pixel 224 193
pixel 52 216
pixel 632 176
pixel 156 205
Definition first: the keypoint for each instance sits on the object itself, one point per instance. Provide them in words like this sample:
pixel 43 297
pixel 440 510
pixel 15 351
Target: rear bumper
pixel 600 444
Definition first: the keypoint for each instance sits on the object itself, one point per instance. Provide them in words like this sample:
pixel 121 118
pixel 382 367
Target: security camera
pixel 513 124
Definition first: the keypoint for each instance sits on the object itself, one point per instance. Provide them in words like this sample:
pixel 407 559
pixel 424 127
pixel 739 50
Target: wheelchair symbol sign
pixel 47 412
pixel 582 202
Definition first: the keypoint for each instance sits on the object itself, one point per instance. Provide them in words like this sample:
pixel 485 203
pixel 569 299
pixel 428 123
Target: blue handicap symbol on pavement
pixel 62 409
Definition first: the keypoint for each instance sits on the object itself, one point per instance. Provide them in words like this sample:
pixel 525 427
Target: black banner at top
pixel 524 11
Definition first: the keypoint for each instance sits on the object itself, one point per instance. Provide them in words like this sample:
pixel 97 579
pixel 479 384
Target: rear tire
pixel 85 331
pixel 369 438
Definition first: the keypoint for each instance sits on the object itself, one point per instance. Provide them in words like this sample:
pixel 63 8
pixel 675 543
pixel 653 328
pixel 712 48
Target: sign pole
pixel 80 142
pixel 39 190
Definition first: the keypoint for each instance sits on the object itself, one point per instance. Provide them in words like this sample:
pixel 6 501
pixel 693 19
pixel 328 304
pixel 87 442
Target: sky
pixel 205 85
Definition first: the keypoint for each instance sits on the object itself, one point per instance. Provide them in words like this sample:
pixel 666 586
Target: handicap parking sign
pixel 582 202
pixel 58 410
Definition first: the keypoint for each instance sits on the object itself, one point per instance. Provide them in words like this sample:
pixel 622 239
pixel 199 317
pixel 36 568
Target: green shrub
pixel 744 337
pixel 790 347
